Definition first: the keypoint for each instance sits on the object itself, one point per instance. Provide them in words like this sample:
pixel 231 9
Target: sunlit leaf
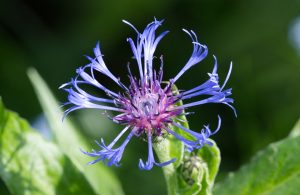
pixel 274 170
pixel 70 140
pixel 31 165
pixel 296 130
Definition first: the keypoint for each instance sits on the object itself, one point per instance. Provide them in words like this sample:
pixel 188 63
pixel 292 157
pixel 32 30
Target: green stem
pixel 161 149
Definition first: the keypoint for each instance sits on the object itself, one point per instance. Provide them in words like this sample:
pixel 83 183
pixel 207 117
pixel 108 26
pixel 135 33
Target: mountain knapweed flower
pixel 148 106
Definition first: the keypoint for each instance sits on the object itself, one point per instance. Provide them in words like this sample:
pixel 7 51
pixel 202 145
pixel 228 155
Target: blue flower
pixel 148 106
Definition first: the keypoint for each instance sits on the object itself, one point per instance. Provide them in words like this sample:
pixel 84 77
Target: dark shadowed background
pixel 262 38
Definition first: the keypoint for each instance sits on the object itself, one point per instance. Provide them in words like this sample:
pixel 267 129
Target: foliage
pixel 31 165
pixel 274 170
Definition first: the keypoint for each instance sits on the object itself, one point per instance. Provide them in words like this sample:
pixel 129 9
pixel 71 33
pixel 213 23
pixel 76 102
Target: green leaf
pixel 274 170
pixel 166 149
pixel 296 130
pixel 3 188
pixel 70 140
pixel 31 165
pixel 195 174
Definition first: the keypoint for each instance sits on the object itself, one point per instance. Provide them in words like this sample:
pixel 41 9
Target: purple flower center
pixel 147 107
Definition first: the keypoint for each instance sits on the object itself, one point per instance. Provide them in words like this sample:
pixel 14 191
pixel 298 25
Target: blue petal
pixel 108 155
pixel 199 53
pixel 200 138
pixel 149 164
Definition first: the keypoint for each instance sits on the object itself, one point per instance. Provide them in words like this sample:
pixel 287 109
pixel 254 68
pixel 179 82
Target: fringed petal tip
pixel 108 157
pixel 200 52
pixel 200 139
pixel 151 161
pixel 63 85
pixel 107 154
pixel 149 165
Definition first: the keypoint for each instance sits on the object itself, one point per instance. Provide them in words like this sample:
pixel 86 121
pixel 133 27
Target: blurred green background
pixel 262 38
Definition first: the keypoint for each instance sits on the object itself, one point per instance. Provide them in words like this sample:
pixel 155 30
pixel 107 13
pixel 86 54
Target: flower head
pixel 148 106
